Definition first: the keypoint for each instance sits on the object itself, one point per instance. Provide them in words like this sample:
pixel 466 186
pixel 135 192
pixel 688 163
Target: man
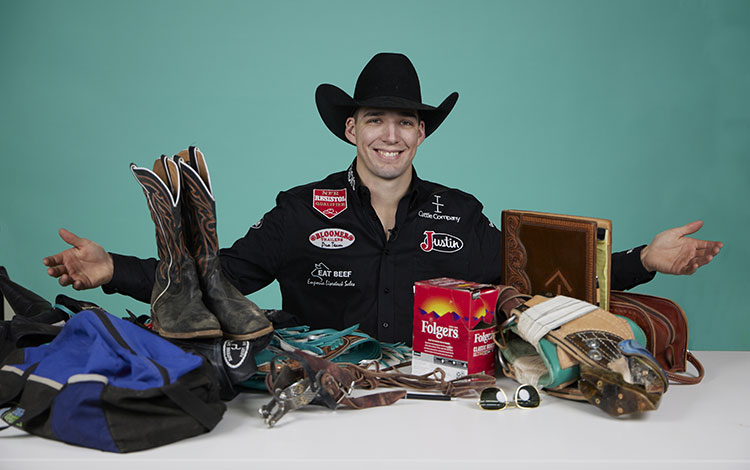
pixel 349 248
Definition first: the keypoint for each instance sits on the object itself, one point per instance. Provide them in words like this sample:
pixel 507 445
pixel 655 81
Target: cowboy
pixel 347 249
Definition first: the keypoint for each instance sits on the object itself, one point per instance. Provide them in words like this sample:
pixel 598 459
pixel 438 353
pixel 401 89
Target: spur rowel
pixel 240 318
pixel 177 309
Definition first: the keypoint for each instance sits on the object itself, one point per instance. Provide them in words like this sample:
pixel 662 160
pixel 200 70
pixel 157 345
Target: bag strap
pixel 17 382
pixel 689 379
pixel 19 414
pixel 187 400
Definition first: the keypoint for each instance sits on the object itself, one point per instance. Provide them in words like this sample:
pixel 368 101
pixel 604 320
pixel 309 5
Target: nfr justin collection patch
pixel 329 202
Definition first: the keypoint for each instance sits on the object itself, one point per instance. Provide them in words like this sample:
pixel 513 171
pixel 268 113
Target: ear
pixel 349 131
pixel 422 135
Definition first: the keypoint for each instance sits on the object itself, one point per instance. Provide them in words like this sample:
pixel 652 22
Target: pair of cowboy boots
pixel 191 297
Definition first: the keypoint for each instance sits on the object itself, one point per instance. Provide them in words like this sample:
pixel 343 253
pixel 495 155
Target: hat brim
pixel 335 106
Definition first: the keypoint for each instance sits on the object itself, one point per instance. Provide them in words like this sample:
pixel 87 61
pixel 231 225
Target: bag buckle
pixel 294 396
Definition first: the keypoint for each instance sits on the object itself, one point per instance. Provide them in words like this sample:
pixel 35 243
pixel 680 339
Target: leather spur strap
pixel 306 379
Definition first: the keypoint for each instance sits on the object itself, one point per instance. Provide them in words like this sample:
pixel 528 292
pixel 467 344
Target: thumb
pixel 70 238
pixel 687 229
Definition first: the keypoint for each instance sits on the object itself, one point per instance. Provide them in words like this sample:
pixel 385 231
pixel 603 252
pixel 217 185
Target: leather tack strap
pixel 336 381
pixel 508 298
pixel 689 379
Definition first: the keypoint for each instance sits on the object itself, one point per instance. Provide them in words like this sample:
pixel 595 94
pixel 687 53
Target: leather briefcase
pixel 666 328
pixel 556 254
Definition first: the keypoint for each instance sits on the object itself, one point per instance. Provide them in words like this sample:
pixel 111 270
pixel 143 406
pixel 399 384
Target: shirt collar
pixel 416 186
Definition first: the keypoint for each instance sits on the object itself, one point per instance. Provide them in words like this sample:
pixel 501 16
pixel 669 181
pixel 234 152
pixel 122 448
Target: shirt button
pixel 385 325
pixel 387 290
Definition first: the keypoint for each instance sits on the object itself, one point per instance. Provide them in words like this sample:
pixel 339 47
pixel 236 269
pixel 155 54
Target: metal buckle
pixel 294 396
pixel 346 393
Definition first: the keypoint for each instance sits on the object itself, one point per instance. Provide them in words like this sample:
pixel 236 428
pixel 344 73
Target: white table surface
pixel 696 426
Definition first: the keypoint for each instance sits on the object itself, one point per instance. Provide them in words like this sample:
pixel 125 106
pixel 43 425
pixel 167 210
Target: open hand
pixel 672 252
pixel 86 265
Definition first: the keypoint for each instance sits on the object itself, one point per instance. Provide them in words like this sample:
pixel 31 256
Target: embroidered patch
pixel 442 242
pixel 436 216
pixel 350 177
pixel 235 352
pixel 437 213
pixel 438 204
pixel 11 415
pixel 332 238
pixel 322 275
pixel 329 202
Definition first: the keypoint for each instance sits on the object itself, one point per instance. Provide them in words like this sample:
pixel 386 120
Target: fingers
pixel 57 271
pixel 705 250
pixel 53 260
pixel 64 280
pixel 705 246
pixel 687 229
pixel 70 237
pixel 692 266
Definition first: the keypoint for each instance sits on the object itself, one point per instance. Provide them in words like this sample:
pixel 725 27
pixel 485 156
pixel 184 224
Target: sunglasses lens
pixel 527 396
pixel 492 399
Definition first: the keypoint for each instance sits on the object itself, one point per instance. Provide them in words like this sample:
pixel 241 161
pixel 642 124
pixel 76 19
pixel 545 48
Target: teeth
pixel 388 154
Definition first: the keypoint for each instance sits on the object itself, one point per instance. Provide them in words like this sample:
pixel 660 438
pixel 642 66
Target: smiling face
pixel 386 141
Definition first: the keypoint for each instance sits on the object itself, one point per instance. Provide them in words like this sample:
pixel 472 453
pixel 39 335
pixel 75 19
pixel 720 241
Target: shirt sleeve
pixel 254 260
pixel 250 264
pixel 132 276
pixel 488 263
pixel 628 271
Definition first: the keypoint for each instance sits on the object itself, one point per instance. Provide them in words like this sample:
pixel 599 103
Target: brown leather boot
pixel 240 318
pixel 176 306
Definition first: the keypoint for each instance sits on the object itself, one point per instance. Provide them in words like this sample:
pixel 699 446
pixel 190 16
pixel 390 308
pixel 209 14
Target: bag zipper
pixel 121 341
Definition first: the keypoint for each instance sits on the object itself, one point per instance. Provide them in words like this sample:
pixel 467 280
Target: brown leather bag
pixel 666 328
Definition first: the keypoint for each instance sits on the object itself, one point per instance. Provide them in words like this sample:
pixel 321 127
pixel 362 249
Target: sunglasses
pixel 494 399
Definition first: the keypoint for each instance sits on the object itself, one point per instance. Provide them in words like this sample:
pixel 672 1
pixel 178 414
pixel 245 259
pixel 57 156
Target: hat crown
pixel 388 74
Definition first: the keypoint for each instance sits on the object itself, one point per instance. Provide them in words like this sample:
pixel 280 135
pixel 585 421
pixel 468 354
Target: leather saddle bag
pixel 666 329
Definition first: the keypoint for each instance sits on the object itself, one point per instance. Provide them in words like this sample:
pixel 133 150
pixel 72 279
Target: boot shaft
pixel 199 210
pixel 177 308
pixel 162 190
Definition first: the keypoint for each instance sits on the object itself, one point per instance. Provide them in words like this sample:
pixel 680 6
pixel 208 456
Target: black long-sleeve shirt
pixel 326 246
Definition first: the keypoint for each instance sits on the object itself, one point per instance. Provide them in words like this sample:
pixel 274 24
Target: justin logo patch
pixel 442 242
pixel 329 202
pixel 235 352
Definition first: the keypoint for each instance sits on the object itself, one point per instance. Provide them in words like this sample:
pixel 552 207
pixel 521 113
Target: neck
pixel 385 196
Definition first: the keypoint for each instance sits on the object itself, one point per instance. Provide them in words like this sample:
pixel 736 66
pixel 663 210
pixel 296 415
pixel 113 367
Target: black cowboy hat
pixel 388 81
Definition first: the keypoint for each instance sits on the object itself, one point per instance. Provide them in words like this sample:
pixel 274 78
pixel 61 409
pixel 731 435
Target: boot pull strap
pixel 167 171
pixel 199 164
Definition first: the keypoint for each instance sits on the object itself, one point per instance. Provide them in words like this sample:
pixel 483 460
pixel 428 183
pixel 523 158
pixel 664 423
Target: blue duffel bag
pixel 109 384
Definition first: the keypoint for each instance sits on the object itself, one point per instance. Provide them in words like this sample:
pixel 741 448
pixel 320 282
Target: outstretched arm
pixel 85 265
pixel 673 252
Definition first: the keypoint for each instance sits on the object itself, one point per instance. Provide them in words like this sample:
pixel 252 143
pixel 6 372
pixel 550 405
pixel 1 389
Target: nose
pixel 390 133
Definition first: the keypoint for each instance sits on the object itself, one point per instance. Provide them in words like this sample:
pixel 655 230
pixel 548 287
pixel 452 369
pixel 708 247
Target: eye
pixel 374 120
pixel 407 122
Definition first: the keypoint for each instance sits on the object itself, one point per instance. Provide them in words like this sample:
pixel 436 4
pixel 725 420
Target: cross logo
pixel 437 204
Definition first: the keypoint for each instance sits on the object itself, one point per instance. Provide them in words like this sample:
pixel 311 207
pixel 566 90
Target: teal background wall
pixel 637 111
